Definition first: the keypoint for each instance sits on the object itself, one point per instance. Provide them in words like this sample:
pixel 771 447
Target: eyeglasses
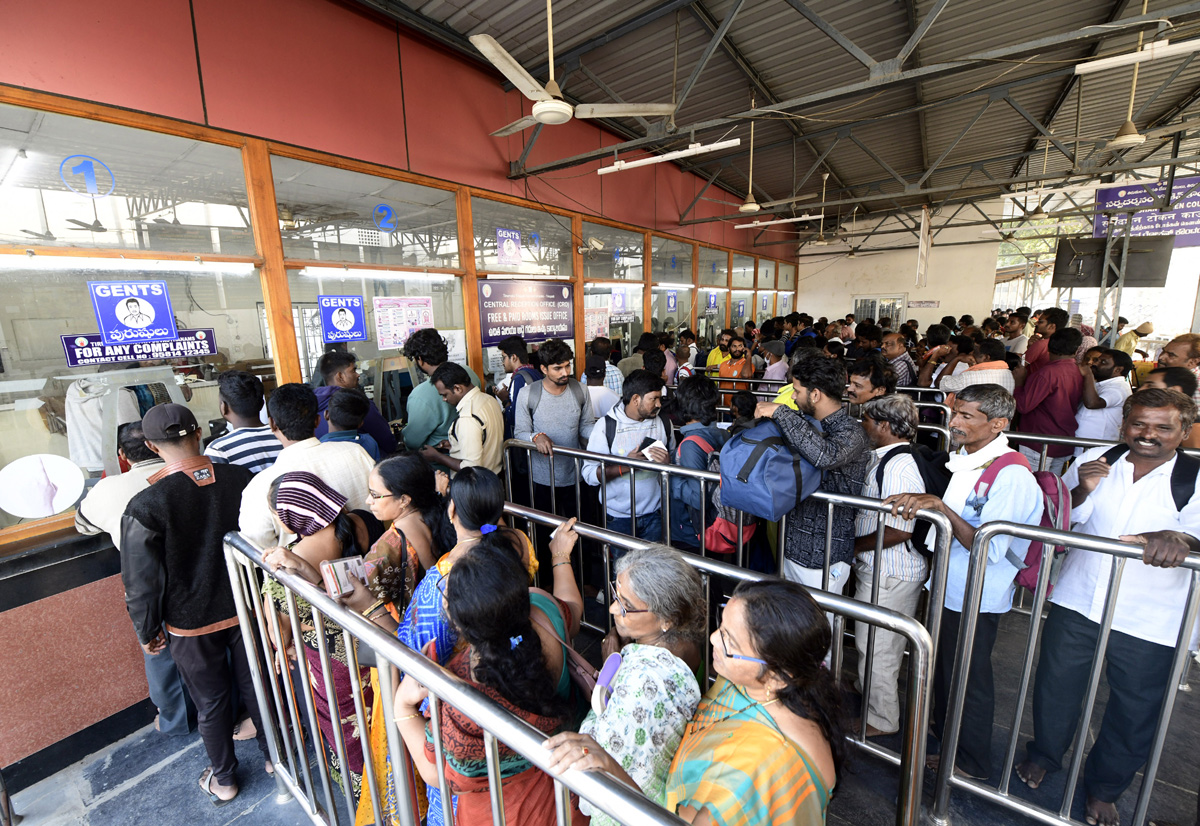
pixel 373 495
pixel 725 641
pixel 621 603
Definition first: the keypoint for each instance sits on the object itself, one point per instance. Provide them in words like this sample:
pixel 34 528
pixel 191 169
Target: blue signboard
pixel 536 310
pixel 128 311
pixel 1182 221
pixel 343 318
pixel 88 349
pixel 712 301
pixel 765 300
pixel 741 308
pixel 617 303
pixel 672 300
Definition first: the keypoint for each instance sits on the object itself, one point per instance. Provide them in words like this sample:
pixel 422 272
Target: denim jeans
pixel 649 528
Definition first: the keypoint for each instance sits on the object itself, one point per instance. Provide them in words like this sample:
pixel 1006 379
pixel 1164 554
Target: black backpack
pixel 931 464
pixel 1183 475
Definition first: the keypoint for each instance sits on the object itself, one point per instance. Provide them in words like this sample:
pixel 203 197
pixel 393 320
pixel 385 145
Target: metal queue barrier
pixel 1121 553
pixel 283 700
pixel 1046 440
pixel 911 758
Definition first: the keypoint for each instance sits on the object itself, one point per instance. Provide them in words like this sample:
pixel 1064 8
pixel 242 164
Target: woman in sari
pixel 316 513
pixel 658 613
pixel 509 657
pixel 475 507
pixel 765 746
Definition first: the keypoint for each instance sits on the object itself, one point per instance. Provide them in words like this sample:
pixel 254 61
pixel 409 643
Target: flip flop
pixel 206 778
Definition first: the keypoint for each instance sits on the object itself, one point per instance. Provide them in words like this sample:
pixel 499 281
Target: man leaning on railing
pixel 1141 492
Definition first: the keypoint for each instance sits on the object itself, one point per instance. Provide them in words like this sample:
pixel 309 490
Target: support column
pixel 470 282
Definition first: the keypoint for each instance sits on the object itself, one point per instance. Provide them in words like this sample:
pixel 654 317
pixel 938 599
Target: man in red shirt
pixel 1037 354
pixel 738 366
pixel 1047 401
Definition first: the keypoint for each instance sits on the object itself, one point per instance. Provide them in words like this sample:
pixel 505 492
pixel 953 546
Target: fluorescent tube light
pixel 59 263
pixel 752 224
pixel 671 287
pixel 693 149
pixel 1153 51
pixel 377 275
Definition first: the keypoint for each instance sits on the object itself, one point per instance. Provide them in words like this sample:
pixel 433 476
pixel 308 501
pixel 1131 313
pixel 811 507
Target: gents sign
pixel 536 310
pixel 342 318
pixel 88 348
pixel 129 311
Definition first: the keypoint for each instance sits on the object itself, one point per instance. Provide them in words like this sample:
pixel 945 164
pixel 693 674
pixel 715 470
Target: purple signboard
pixel 1183 221
pixel 536 310
pixel 87 349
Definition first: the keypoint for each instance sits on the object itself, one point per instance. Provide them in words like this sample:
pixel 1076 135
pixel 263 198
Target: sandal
pixel 206 779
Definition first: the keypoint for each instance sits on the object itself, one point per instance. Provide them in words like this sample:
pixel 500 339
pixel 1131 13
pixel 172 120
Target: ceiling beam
pixel 826 28
pixel 1180 13
pixel 709 51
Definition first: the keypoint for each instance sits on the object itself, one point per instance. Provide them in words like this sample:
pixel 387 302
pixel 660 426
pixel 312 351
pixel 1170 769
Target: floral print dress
pixel 654 696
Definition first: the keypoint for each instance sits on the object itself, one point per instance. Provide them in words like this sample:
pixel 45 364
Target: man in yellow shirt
pixel 1128 341
pixel 720 353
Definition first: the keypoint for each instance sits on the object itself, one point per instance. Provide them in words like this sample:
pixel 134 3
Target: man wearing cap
pixel 777 367
pixel 1128 341
pixel 176 583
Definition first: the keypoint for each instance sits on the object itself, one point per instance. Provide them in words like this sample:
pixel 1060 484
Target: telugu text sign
pixel 86 349
pixel 129 311
pixel 535 310
pixel 343 318
pixel 1182 221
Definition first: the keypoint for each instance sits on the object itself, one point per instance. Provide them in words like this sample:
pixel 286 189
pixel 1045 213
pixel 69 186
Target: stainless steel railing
pixel 1121 553
pixel 911 757
pixel 1046 440
pixel 290 741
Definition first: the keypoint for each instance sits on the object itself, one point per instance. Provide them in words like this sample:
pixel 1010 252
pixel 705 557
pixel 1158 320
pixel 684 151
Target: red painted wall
pixel 332 76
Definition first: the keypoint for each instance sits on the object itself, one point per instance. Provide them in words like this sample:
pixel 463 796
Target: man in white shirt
pixel 891 425
pixel 1127 493
pixel 602 397
pixel 1105 389
pixel 476 436
pixel 100 512
pixel 344 466
pixel 1015 339
pixel 982 413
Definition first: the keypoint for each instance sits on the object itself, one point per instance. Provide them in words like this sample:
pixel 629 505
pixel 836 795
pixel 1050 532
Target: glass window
pixel 670 307
pixel 710 315
pixel 743 271
pixel 612 253
pixel 766 274
pixel 330 214
pixel 516 239
pixel 787 277
pixel 714 267
pixel 625 320
pixel 742 307
pixel 391 301
pixel 764 305
pixel 785 303
pixel 73 182
pixel 670 261
pixel 64 393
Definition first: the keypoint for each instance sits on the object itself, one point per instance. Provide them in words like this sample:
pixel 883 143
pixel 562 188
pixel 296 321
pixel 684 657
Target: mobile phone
pixel 336 575
pixel 604 681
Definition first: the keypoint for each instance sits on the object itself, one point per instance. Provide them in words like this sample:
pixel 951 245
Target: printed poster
pixel 508 247
pixel 397 317
pixel 85 349
pixel 595 323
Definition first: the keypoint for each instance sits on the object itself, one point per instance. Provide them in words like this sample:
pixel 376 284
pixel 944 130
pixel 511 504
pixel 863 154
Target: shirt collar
pixel 147 463
pixel 303 444
pixel 466 401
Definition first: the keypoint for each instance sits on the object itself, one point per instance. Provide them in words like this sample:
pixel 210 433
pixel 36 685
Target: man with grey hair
pixel 891 423
pixel 981 415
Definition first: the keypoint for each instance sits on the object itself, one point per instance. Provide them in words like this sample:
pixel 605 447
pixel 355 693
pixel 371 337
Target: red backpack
pixel 1056 513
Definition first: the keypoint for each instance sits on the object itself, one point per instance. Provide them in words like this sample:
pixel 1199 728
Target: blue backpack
pixel 761 474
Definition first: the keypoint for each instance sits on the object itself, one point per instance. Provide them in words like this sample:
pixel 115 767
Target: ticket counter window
pixel 764 306
pixel 713 267
pixel 743 272
pixel 63 391
pixel 670 308
pixel 625 317
pixel 742 303
pixel 371 313
pixel 330 214
pixel 516 239
pixel 611 253
pixel 786 278
pixel 710 314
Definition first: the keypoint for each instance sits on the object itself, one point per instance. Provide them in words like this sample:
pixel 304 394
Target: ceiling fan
pixel 94 226
pixel 549 108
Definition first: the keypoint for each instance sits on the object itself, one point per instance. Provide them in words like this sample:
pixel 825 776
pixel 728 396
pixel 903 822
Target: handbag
pixel 582 673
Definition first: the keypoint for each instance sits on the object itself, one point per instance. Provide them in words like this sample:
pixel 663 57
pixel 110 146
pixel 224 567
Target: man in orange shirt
pixel 738 366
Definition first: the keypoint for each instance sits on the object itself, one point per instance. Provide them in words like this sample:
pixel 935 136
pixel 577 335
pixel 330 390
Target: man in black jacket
pixel 176 582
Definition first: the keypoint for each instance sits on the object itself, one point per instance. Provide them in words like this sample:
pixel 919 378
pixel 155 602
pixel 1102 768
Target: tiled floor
pixel 151 779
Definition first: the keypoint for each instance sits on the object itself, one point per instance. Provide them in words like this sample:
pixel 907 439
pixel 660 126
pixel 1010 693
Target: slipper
pixel 206 778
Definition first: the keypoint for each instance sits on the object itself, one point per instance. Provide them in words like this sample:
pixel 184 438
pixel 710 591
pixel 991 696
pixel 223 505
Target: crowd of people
pixel 327 478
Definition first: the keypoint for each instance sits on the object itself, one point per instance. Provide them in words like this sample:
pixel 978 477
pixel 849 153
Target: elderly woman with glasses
pixel 658 611
pixel 765 745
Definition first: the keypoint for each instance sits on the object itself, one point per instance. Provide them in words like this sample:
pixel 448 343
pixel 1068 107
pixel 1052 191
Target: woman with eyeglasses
pixel 658 612
pixel 475 509
pixel 766 745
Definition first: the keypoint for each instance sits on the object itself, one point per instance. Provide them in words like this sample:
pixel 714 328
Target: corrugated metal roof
pixel 907 126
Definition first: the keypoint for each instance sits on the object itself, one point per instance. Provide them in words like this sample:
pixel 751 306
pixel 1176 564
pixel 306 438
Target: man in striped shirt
pixel 614 379
pixel 249 442
pixel 890 422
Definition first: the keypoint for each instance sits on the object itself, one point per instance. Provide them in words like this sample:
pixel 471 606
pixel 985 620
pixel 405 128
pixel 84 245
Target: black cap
pixel 595 367
pixel 165 422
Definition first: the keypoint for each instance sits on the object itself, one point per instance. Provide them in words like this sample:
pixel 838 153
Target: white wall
pixel 960 278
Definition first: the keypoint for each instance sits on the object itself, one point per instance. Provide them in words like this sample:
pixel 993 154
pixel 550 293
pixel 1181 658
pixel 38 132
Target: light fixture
pixel 752 224
pixel 31 261
pixel 671 287
pixel 715 289
pixel 693 149
pixel 375 275
pixel 1155 51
